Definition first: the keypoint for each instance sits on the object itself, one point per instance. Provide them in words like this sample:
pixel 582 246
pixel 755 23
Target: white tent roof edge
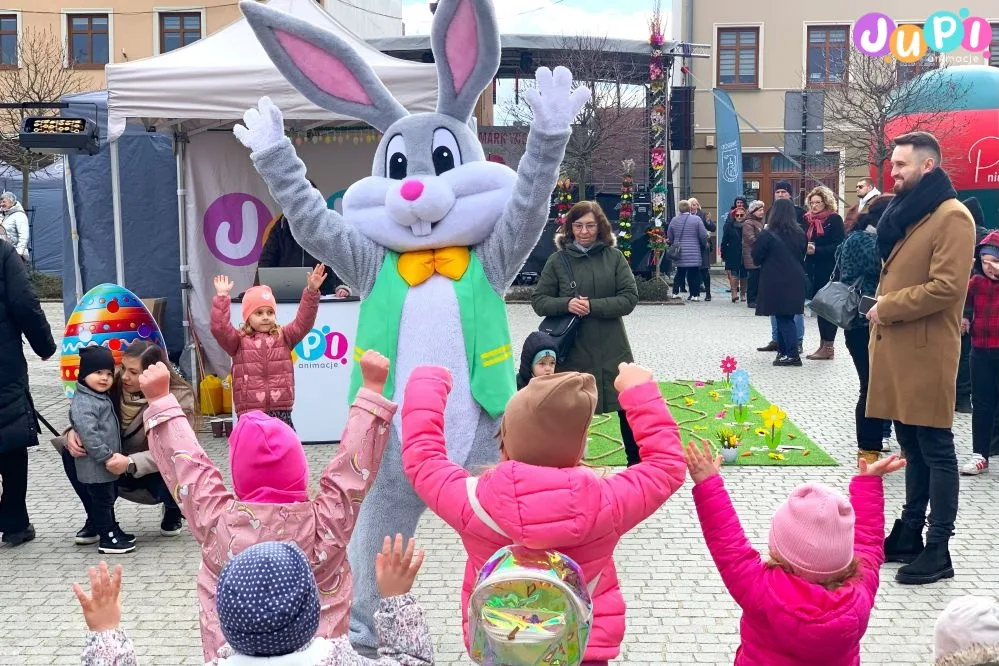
pixel 213 81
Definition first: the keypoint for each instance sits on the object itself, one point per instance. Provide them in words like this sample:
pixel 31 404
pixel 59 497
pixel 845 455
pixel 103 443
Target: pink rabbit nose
pixel 411 190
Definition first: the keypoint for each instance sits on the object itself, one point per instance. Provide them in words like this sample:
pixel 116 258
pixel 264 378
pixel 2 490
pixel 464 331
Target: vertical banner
pixel 230 213
pixel 729 143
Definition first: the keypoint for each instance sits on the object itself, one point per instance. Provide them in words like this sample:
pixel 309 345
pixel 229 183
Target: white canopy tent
pixel 211 83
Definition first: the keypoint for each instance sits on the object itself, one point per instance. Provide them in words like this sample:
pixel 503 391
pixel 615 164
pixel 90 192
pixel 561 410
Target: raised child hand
pixel 374 370
pixel 154 382
pixel 316 277
pixel 102 607
pixel 223 285
pixel 396 570
pixel 629 375
pixel 439 373
pixel 701 465
pixel 882 467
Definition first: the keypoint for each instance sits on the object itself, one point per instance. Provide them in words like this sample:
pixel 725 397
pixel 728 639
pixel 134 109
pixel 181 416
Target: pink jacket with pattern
pixel 571 510
pixel 787 621
pixel 224 526
pixel 263 375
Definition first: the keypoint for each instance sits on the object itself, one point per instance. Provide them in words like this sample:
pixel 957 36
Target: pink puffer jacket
pixel 263 376
pixel 571 510
pixel 786 620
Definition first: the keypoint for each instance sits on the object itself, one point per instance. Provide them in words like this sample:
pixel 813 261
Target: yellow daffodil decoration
pixel 773 422
pixel 773 417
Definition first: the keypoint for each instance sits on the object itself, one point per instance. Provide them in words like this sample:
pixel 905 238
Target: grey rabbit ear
pixel 327 70
pixel 466 44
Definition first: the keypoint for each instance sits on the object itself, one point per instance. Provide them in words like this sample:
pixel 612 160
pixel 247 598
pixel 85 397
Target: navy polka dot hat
pixel 267 600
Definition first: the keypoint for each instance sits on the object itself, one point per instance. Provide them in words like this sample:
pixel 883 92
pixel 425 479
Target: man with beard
pixel 926 238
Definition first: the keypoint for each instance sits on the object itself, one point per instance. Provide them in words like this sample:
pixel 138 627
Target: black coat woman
pixel 859 261
pixel 20 314
pixel 825 231
pixel 780 254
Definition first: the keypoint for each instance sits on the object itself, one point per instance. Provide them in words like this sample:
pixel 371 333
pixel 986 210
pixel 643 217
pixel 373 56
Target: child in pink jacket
pixel 270 477
pixel 810 603
pixel 263 374
pixel 540 496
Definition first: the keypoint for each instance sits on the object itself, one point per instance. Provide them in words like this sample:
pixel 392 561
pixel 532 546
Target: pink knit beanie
pixel 813 532
pixel 257 297
pixel 267 460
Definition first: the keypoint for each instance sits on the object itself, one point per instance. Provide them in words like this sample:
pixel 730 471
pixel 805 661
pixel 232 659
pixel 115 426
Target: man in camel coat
pixel 926 238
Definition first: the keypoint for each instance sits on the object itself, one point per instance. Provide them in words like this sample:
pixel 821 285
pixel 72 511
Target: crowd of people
pixel 274 582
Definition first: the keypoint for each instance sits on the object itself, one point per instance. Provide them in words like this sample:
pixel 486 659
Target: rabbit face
pixel 431 187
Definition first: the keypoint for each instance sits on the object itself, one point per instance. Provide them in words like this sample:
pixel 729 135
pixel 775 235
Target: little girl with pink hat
pixel 263 374
pixel 811 601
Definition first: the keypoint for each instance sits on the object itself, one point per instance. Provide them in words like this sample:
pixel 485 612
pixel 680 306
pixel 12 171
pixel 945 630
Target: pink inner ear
pixel 327 72
pixel 462 45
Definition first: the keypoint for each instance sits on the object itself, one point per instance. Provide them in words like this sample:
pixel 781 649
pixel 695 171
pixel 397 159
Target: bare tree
pixel 613 125
pixel 877 97
pixel 43 76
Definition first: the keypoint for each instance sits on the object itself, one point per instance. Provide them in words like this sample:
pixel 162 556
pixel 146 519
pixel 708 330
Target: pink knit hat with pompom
pixel 813 532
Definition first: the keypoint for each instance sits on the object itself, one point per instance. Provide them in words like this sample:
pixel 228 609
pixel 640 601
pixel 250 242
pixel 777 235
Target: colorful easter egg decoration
pixel 107 315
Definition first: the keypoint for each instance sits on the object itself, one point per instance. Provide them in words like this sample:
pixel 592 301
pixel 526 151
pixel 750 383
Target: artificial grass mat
pixel 700 420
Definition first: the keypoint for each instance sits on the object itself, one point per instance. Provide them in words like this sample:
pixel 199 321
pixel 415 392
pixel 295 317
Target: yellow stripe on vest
pixel 495 352
pixel 498 359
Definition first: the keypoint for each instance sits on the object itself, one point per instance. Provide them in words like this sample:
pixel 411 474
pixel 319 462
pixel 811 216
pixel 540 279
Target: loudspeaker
pixel 681 118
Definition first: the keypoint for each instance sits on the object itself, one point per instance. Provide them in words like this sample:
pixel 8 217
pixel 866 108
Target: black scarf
pixel 909 208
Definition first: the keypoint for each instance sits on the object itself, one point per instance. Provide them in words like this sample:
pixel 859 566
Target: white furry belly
pixel 430 334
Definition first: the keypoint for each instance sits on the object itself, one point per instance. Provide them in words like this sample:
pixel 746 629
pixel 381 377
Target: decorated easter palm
pixel 431 240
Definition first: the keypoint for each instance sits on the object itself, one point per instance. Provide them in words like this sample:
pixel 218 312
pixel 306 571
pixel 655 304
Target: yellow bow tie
pixel 417 267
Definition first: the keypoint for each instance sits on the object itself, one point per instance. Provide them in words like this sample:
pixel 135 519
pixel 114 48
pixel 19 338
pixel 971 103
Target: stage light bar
pixel 59 135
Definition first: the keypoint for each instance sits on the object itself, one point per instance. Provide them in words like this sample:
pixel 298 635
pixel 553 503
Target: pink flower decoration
pixel 720 415
pixel 699 384
pixel 728 365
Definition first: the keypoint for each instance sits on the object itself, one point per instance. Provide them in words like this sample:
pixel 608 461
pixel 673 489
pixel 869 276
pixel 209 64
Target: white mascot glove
pixel 264 126
pixel 554 102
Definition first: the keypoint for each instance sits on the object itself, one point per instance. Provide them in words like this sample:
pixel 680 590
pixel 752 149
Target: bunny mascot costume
pixel 431 241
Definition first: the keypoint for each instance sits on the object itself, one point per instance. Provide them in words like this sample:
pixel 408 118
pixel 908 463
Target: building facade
pixel 760 51
pixel 99 32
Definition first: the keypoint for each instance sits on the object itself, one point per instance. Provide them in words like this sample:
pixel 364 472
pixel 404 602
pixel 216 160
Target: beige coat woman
pixel 914 353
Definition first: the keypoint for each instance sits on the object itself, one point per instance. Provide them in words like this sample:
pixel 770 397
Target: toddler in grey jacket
pixel 92 415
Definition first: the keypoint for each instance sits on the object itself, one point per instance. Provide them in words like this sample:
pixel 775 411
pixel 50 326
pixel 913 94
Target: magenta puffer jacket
pixel 786 620
pixel 263 375
pixel 572 510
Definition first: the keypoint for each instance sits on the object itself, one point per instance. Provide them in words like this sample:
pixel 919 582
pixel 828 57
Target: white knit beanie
pixel 967 621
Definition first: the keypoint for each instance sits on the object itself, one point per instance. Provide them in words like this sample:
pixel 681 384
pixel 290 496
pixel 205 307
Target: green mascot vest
pixel 483 323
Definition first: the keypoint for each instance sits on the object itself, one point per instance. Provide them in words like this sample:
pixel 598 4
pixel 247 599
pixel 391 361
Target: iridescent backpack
pixel 528 606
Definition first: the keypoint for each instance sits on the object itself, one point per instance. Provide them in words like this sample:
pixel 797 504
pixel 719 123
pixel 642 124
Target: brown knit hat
pixel 545 423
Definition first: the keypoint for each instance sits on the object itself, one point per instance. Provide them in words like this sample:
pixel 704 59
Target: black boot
pixel 18 538
pixel 903 544
pixel 931 565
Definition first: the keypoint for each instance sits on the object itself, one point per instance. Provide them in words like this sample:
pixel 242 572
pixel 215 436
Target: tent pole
pixel 119 248
pixel 74 235
pixel 180 150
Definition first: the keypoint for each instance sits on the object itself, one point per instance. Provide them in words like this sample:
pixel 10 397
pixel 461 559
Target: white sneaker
pixel 976 465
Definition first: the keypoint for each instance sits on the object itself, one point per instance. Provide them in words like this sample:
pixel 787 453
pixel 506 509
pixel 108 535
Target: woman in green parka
pixel 605 293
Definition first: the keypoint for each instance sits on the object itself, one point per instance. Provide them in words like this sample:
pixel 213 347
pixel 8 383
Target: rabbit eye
pixel 397 163
pixel 446 153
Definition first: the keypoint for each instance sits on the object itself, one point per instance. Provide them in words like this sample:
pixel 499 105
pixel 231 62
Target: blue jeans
pixel 799 326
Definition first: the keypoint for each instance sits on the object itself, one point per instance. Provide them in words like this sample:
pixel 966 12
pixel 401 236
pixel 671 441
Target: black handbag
pixel 838 302
pixel 674 251
pixel 563 327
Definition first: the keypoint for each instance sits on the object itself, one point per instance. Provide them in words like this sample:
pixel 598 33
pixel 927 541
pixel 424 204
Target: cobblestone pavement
pixel 678 610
